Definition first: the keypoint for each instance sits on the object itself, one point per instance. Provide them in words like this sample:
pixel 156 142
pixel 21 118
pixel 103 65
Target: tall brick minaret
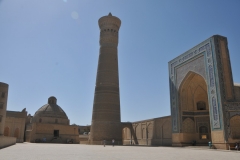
pixel 106 117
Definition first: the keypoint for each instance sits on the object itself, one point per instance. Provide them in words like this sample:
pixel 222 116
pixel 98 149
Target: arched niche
pixel 234 125
pixel 150 131
pixel 193 92
pixel 188 126
pixel 138 132
pixel 193 107
pixel 126 133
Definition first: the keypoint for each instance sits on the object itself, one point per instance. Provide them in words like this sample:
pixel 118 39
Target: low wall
pixel 149 142
pixel 84 142
pixel 7 141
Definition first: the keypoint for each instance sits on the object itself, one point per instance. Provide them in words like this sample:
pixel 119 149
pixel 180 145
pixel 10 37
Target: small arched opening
pixel 126 136
pixel 203 132
pixel 201 105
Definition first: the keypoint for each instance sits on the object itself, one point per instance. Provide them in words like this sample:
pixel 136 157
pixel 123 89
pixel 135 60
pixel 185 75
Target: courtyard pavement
pixel 36 151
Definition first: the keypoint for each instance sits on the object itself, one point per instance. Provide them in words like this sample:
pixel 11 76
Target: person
pixel 237 146
pixel 113 142
pixel 194 143
pixel 104 142
pixel 210 144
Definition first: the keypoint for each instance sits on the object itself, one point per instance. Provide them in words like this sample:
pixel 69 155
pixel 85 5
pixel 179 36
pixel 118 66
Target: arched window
pixel 40 120
pixel 201 105
pixel 6 131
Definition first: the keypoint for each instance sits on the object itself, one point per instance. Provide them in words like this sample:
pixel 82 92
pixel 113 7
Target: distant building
pixel 50 124
pixel 15 125
pixel 84 129
pixel 5 141
pixel 152 132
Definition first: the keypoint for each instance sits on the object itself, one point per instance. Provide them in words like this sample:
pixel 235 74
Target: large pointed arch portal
pixel 194 110
pixel 201 89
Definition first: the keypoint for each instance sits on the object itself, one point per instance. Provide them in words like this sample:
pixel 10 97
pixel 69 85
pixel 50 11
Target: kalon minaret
pixel 106 117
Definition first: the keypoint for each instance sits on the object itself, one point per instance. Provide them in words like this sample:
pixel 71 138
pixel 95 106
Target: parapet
pixel 109 21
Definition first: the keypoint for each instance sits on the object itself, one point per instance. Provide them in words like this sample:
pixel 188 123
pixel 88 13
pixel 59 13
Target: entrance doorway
pixel 56 133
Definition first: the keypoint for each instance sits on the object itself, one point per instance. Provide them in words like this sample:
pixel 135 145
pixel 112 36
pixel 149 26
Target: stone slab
pixel 25 151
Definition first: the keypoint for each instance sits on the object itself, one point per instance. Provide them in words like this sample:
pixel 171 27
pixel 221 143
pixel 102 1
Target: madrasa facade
pixel 204 103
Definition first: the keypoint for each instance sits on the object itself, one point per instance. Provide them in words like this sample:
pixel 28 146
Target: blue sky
pixel 50 48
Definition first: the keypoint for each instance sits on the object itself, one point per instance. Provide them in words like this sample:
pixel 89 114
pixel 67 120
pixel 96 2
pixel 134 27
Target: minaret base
pixel 100 132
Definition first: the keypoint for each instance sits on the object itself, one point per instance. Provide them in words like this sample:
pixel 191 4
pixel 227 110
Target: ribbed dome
pixel 51 110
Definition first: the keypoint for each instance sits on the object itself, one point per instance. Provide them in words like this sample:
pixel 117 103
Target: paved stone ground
pixel 33 151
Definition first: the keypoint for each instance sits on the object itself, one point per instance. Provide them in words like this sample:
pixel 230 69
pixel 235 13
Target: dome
pixel 50 111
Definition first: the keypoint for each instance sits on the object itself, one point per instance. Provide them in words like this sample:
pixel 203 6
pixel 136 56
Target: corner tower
pixel 106 118
pixel 3 105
